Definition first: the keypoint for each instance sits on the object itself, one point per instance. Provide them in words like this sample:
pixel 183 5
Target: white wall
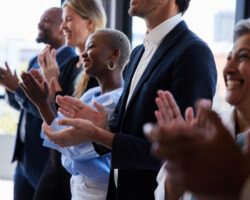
pixel 6 151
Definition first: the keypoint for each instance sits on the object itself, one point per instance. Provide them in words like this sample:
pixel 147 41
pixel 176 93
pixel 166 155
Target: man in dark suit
pixel 172 58
pixel 29 152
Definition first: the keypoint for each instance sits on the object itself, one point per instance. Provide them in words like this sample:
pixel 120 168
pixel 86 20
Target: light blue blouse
pixel 82 159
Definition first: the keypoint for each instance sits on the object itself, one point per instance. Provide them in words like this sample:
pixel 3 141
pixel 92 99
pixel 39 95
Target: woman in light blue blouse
pixel 106 53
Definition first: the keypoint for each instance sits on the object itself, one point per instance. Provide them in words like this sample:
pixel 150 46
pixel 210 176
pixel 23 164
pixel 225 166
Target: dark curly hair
pixel 183 5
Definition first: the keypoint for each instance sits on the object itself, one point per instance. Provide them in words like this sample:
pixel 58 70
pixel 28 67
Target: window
pixel 215 26
pixel 18 21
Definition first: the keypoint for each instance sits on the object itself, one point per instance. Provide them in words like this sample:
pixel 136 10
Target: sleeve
pixel 194 76
pixel 20 100
pixel 10 98
pixel 79 152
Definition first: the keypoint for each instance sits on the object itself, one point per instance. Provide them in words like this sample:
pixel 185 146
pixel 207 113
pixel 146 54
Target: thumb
pixel 100 108
pixel 68 122
pixel 46 87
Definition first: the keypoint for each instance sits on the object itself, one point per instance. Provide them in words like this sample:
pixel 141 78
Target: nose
pixel 231 66
pixel 62 26
pixel 84 54
pixel 39 25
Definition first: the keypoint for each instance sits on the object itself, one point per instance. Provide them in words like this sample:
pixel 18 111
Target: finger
pixel 204 103
pixel 35 73
pixel 53 54
pixel 53 85
pixel 189 115
pixel 23 87
pixel 69 122
pixel 45 87
pixel 70 104
pixel 41 60
pixel 159 118
pixel 164 106
pixel 15 74
pixel 65 113
pixel 173 105
pixel 166 116
pixel 7 66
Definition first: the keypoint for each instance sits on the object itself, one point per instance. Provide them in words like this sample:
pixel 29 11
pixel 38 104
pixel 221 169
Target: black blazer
pixel 184 65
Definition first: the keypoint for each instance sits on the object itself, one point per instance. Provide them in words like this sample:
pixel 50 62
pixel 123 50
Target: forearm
pixel 103 137
pixel 47 112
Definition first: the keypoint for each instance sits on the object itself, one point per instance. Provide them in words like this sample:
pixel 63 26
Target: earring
pixel 111 65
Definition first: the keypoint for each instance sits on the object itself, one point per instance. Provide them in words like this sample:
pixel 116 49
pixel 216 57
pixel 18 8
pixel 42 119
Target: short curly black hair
pixel 183 5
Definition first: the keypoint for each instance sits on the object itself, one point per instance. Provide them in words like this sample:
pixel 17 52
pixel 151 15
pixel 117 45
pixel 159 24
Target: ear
pixel 115 56
pixel 90 26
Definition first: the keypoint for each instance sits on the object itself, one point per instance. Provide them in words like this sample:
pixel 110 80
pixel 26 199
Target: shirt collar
pixel 155 36
pixel 60 49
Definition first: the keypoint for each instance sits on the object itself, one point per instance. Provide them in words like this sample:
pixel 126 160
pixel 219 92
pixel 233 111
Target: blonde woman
pixel 80 19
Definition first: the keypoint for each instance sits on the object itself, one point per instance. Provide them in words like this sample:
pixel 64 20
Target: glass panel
pixel 18 46
pixel 214 25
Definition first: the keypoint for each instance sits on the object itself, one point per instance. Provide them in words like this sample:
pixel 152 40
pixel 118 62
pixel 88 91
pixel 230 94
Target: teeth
pixel 232 84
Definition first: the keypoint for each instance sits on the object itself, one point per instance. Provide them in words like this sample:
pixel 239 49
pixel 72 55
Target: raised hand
pixel 35 87
pixel 169 112
pixel 47 61
pixel 8 79
pixel 75 108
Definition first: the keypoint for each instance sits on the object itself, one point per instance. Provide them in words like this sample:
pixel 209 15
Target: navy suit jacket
pixel 31 153
pixel 184 65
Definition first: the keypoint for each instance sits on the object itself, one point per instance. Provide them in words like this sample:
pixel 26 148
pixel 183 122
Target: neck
pixel 243 119
pixel 56 45
pixel 109 83
pixel 159 16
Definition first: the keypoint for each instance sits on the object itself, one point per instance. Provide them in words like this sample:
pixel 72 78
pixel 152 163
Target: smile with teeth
pixel 231 84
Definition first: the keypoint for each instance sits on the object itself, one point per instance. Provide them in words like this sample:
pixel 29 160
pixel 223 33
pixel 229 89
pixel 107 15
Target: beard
pixel 42 37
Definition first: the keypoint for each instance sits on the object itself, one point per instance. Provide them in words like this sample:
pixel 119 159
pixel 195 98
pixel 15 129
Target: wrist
pixel 103 137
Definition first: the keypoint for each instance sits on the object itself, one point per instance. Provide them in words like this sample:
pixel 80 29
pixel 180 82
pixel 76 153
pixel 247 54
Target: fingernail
pixel 147 128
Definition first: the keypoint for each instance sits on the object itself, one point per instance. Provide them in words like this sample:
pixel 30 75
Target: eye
pixel 90 46
pixel 243 56
pixel 68 19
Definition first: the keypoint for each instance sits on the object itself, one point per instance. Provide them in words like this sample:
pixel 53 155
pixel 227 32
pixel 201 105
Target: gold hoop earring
pixel 111 66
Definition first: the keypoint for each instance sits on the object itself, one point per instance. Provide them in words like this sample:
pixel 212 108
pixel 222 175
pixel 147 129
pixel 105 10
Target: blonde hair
pixel 94 11
pixel 89 9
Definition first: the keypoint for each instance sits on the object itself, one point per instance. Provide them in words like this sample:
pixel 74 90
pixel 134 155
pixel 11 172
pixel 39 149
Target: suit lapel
pixel 129 75
pixel 166 44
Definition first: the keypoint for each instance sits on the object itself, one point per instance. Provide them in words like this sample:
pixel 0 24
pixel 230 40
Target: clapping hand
pixel 47 61
pixel 8 79
pixel 75 108
pixel 35 87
